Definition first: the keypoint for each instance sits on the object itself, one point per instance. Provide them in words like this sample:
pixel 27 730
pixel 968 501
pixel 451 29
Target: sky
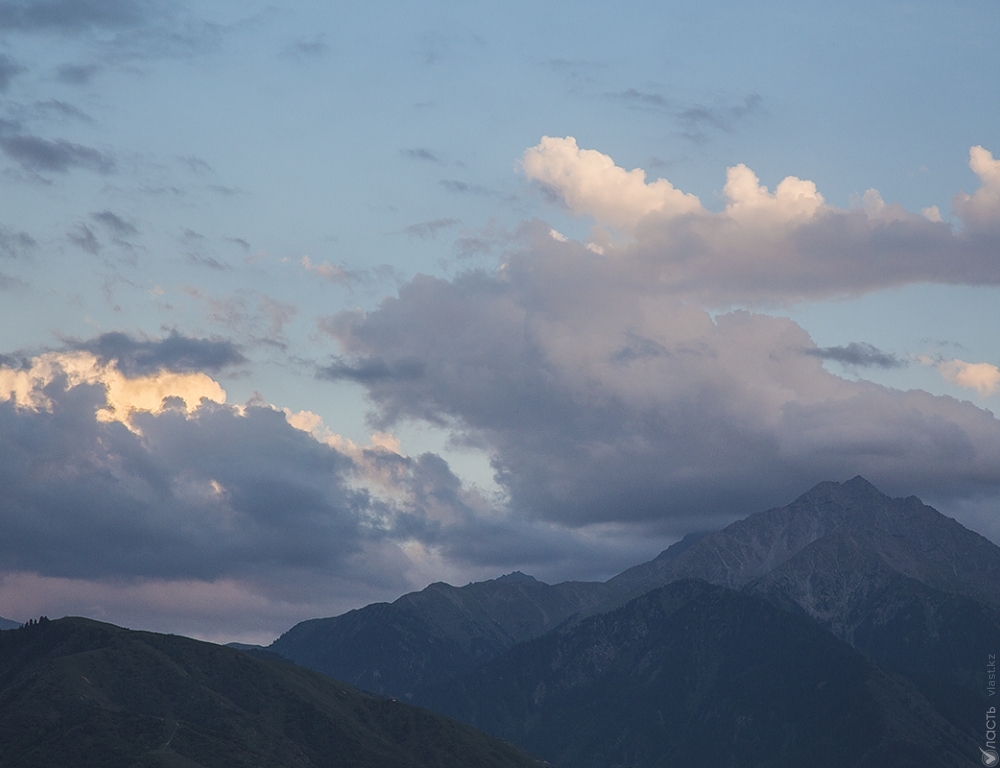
pixel 304 306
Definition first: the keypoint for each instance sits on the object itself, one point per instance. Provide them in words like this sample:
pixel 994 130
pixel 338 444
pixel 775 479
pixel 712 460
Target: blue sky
pixel 450 347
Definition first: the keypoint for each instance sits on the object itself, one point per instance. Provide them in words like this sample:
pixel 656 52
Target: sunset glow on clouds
pixel 125 397
pixel 454 295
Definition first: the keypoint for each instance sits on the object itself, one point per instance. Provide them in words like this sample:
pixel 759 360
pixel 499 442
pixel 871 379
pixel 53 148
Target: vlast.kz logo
pixel 990 756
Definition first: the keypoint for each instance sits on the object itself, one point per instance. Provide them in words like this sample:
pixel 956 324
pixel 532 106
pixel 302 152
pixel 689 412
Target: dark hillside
pixel 75 692
pixel 697 675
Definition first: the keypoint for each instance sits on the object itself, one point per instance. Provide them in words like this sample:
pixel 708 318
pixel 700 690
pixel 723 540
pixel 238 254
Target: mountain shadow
pixel 698 675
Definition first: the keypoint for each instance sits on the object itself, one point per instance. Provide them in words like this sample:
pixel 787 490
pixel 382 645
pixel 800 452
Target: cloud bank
pixel 605 392
pixel 128 478
pixel 770 247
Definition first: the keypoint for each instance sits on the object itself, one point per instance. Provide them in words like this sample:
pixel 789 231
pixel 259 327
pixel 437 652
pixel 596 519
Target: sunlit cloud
pixel 766 246
pixel 982 377
pixel 125 396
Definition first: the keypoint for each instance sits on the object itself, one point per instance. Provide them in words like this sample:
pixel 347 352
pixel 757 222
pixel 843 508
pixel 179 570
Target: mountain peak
pixel 516 576
pixel 857 490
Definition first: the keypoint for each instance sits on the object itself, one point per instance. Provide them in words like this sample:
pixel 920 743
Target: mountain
pixel 394 647
pixel 81 693
pixel 8 624
pixel 912 591
pixel 903 535
pixel 694 675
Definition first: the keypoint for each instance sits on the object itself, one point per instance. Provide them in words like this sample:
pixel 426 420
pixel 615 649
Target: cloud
pixel 252 316
pixel 176 353
pixel 981 209
pixel 464 188
pixel 697 118
pixel 68 16
pixel 372 369
pixel 302 49
pixel 429 228
pixel 76 74
pixel 115 223
pixel 982 377
pixel 125 396
pixel 420 153
pixel 332 272
pixel 148 496
pixel 768 247
pixel 14 245
pixel 9 69
pixel 590 183
pixel 36 154
pixel 858 355
pixel 601 397
pixel 62 109
pixel 84 237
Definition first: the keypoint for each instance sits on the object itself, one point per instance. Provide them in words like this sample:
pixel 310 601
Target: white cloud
pixel 591 184
pixel 982 377
pixel 749 202
pixel 764 247
pixel 981 209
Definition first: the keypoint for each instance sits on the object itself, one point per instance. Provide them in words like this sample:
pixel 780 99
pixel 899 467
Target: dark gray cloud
pixel 14 245
pixel 201 260
pixel 83 236
pixel 859 355
pixel 69 16
pixel 637 98
pixel 37 154
pixel 429 228
pixel 696 119
pixel 9 69
pixel 195 164
pixel 462 187
pixel 603 398
pixel 420 153
pixel 221 494
pixel 371 369
pixel 239 494
pixel 175 352
pixel 304 49
pixel 61 109
pixel 76 74
pixel 115 223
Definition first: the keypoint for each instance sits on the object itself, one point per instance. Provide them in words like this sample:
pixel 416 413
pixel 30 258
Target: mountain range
pixel 892 604
pixel 847 629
